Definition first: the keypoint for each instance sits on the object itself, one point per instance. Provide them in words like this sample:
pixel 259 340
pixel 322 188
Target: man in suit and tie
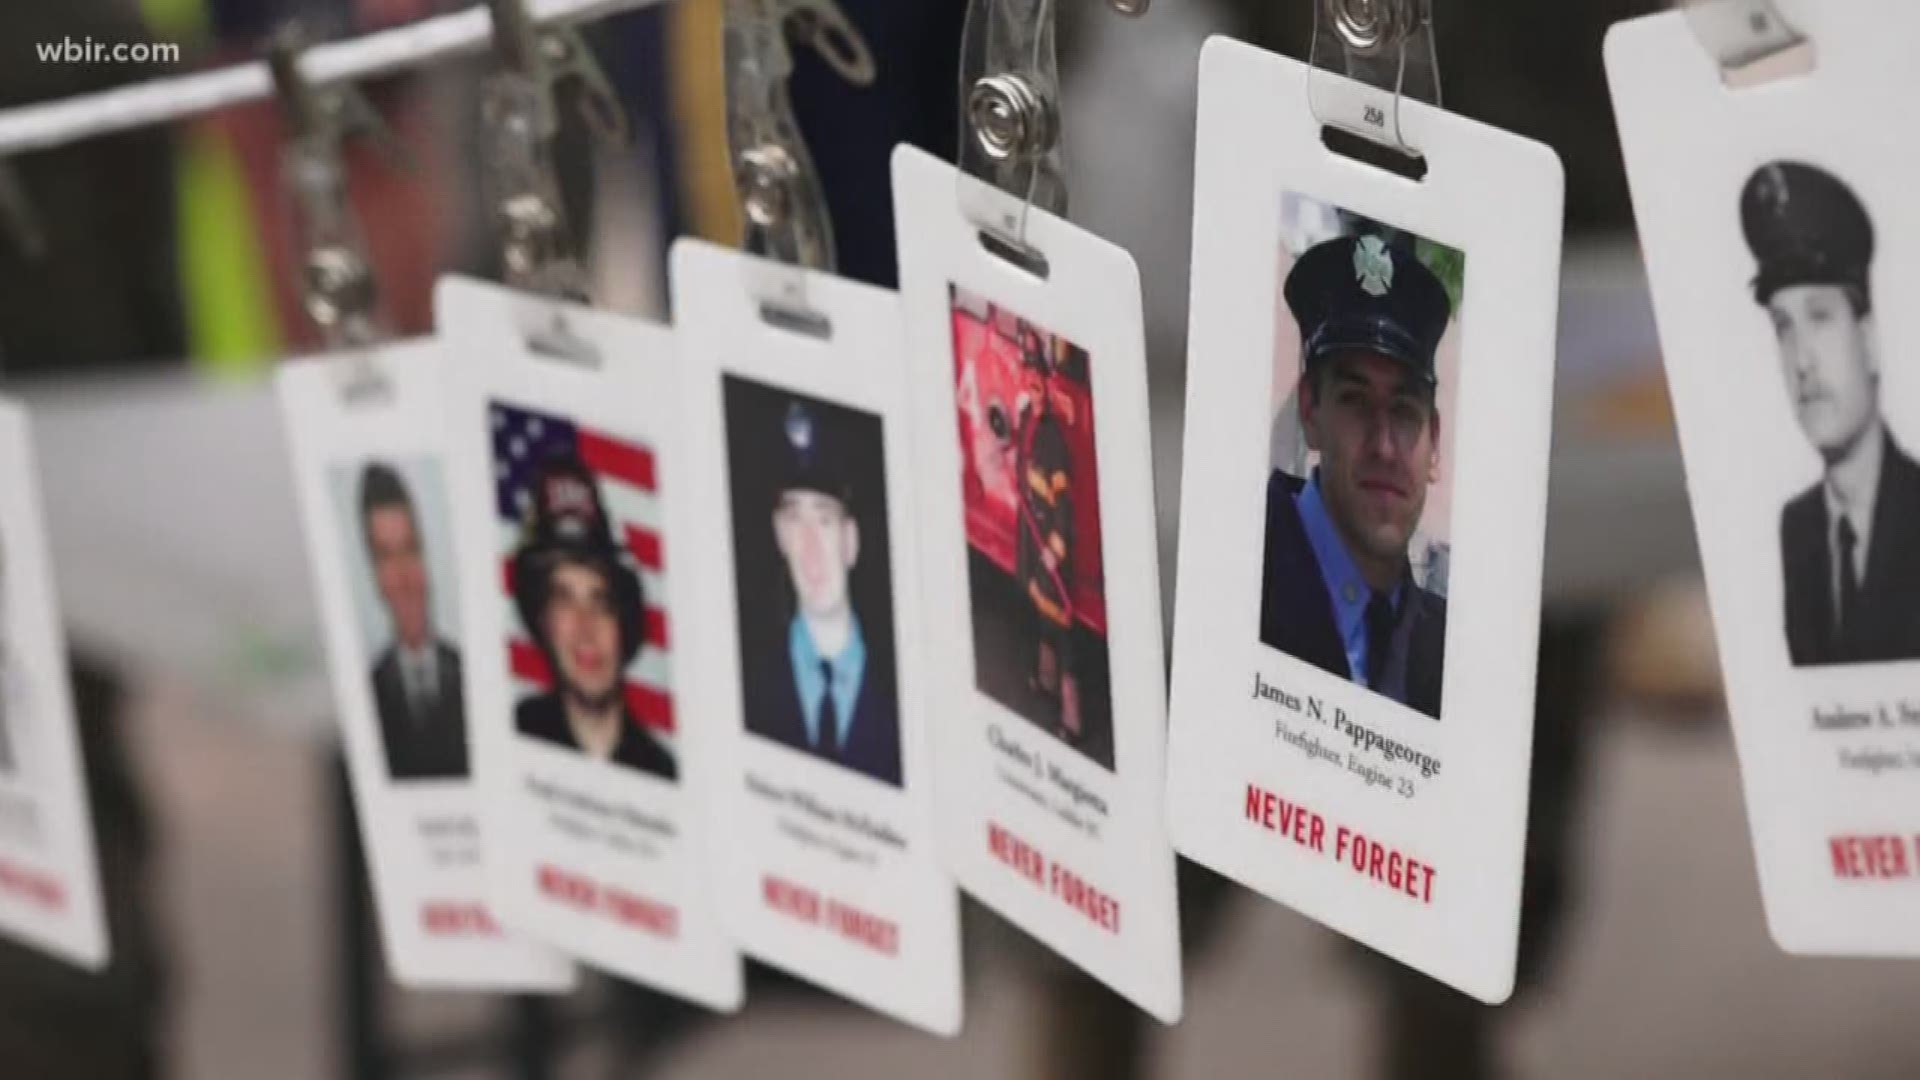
pixel 818 683
pixel 1338 591
pixel 416 681
pixel 1850 544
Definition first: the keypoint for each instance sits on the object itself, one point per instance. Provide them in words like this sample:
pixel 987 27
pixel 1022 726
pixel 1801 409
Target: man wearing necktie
pixel 1337 590
pixel 1850 544
pixel 416 680
pixel 820 684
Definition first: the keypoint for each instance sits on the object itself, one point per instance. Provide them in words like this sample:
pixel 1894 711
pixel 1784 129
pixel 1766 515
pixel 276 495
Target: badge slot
pixel 1343 143
pixel 795 320
pixel 1025 258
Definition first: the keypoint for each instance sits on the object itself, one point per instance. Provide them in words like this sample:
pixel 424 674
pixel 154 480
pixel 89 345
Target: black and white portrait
pixel 1850 544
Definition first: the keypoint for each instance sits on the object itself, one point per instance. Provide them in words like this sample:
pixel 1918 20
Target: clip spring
pixel 1387 46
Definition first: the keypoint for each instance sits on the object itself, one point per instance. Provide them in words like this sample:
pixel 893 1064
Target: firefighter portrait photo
pixel 1849 544
pixel 581 657
pixel 1030 486
pixel 813 567
pixel 1357 495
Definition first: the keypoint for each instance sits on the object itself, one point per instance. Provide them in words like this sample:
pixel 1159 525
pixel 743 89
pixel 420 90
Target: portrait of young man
pixel 818 670
pixel 1338 590
pixel 585 608
pixel 1850 544
pixel 417 689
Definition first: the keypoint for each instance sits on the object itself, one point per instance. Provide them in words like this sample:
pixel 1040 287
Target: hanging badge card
pixel 1363 515
pixel 367 442
pixel 1036 516
pixel 812 667
pixel 49 878
pixel 565 436
pixel 1783 248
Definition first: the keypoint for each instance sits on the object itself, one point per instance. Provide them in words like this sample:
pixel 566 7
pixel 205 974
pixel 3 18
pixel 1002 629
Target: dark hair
pixel 381 488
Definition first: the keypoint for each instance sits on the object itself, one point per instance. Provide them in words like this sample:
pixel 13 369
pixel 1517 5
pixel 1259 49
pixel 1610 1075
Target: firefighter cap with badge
pixel 1365 293
pixel 1806 227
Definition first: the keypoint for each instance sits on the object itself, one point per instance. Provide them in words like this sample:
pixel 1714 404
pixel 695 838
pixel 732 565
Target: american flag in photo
pixel 522 441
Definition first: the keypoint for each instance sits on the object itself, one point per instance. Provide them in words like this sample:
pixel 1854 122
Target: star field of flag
pixel 523 441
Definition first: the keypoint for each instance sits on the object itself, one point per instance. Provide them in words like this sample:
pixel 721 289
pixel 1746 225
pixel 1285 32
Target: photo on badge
pixel 392 512
pixel 815 582
pixel 1031 485
pixel 1359 493
pixel 583 580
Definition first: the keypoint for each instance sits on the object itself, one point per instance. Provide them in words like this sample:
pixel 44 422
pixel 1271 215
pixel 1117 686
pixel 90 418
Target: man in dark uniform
pixel 1338 591
pixel 585 607
pixel 417 689
pixel 815 682
pixel 1045 538
pixel 1850 544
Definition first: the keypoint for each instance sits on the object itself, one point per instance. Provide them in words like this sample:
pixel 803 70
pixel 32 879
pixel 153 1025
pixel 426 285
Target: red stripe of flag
pixel 645 545
pixel 653 708
pixel 616 460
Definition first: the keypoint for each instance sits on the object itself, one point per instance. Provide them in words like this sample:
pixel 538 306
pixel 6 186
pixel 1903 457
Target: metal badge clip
pixel 1010 119
pixel 784 211
pixel 1388 47
pixel 337 284
pixel 1750 39
pixel 539 253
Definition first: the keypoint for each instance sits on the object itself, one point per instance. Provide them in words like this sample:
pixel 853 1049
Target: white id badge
pixel 1035 493
pixel 572 497
pixel 812 666
pixel 49 877
pixel 368 449
pixel 1783 248
pixel 1363 516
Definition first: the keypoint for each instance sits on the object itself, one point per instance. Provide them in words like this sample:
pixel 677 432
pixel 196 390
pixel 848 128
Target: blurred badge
pixel 1039 543
pixel 368 452
pixel 49 879
pixel 811 657
pixel 1363 511
pixel 572 503
pixel 1783 249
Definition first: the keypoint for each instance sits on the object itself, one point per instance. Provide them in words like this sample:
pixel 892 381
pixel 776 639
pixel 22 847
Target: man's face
pixel 1826 355
pixel 393 542
pixel 1378 435
pixel 820 543
pixel 583 633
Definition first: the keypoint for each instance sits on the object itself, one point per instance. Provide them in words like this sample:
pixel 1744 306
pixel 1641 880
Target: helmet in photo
pixel 567 523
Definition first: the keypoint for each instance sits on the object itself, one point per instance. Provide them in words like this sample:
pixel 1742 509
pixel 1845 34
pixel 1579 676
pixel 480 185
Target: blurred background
pixel 143 332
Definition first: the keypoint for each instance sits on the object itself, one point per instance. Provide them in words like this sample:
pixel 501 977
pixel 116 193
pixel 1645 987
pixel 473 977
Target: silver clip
pixel 336 278
pixel 517 106
pixel 784 210
pixel 1010 116
pixel 1010 119
pixel 1388 47
pixel 1741 34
